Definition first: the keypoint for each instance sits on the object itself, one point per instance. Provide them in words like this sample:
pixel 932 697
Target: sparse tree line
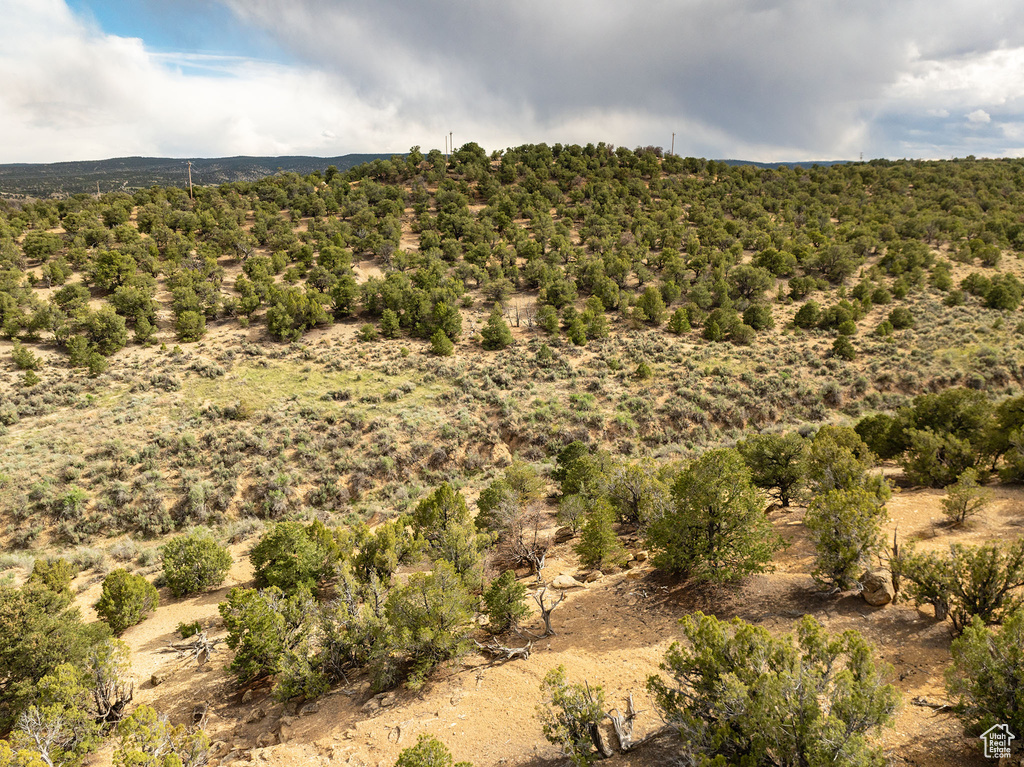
pixel 653 238
pixel 651 241
pixel 326 603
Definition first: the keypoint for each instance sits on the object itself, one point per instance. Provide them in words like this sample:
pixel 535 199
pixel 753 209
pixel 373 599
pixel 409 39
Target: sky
pixel 765 80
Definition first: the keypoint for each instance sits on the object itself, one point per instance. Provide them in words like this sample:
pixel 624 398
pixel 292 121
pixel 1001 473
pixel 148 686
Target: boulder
pixel 564 582
pixel 255 715
pixel 266 739
pixel 158 678
pixel 596 575
pixel 564 534
pixel 877 587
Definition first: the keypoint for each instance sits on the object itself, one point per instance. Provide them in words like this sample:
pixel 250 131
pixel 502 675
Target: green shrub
pixel 147 739
pixel 838 459
pixel 936 460
pixel 598 542
pixel 843 349
pixel 717 529
pixel 547 319
pixel 106 330
pixel 987 675
pixel 496 334
pixel 807 316
pixel 742 334
pixel 39 631
pixel 186 630
pixel 505 603
pixel 428 752
pixel 23 358
pixel 846 527
pixel 367 333
pixel 194 563
pixel 288 558
pixel 190 326
pixel 126 599
pixel 256 631
pixel 901 318
pixel 965 498
pixel 759 317
pixel 441 345
pixel 776 462
pixel 389 324
pixel 968 582
pixel 679 322
pixel 652 305
pixel 429 622
pixel 570 714
pixel 54 574
pixel 738 695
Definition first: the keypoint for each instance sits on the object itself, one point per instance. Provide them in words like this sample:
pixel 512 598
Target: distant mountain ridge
pixel 129 173
pixel 801 163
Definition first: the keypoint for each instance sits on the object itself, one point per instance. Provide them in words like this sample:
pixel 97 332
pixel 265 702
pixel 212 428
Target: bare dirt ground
pixel 613 633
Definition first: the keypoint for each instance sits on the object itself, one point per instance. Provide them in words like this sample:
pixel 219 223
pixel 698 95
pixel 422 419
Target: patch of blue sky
pixel 203 27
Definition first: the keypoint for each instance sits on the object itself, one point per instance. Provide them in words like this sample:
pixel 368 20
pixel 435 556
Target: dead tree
pixel 112 690
pixel 520 540
pixel 545 611
pixel 501 652
pixel 623 724
pixel 892 558
pixel 110 698
pixel 199 648
pixel 594 727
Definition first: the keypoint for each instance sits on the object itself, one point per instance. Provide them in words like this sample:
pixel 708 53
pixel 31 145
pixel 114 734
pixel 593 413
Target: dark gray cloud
pixel 771 76
pixel 757 79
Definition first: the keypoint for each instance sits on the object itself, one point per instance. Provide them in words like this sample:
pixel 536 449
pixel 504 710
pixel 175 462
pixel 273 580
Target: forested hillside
pixel 436 382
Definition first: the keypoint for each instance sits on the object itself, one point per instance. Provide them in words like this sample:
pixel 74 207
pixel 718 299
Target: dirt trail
pixel 613 632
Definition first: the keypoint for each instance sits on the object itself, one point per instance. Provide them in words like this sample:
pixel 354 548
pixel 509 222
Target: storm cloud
pixel 758 79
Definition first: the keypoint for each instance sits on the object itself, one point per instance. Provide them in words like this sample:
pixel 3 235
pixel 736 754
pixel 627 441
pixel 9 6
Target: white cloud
pixel 760 79
pixel 71 92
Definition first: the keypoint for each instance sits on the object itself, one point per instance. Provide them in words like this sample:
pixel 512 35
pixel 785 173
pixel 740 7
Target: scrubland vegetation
pixel 400 392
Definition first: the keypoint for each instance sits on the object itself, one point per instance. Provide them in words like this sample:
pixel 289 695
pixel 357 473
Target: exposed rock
pixel 878 588
pixel 310 708
pixel 255 715
pixel 265 739
pixel 596 575
pixel 247 696
pixel 564 534
pixel 377 702
pixel 640 556
pixel 563 582
pixel 500 455
pixel 220 749
pixel 372 706
pixel 286 729
pixel 158 678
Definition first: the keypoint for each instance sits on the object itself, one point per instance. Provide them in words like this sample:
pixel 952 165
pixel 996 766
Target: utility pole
pixel 451 142
pixel 190 179
pixel 672 151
